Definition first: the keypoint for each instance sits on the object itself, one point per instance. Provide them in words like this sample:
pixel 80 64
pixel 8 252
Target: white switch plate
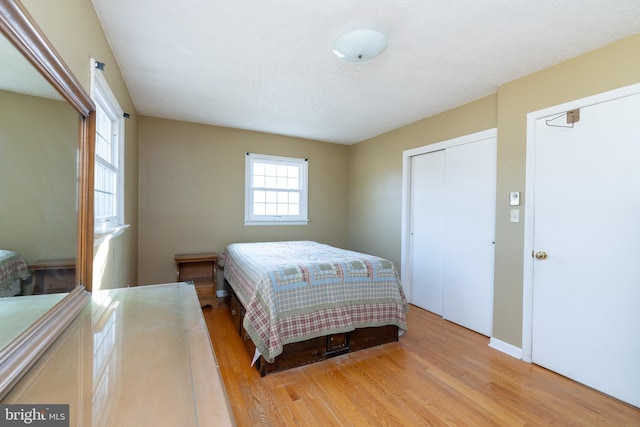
pixel 515 215
pixel 514 198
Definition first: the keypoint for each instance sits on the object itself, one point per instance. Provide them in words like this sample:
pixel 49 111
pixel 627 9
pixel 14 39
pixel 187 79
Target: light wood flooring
pixel 437 374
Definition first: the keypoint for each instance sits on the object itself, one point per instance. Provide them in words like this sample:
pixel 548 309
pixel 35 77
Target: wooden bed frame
pixel 312 350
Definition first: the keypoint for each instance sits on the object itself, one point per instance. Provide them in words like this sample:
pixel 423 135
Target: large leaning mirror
pixel 46 164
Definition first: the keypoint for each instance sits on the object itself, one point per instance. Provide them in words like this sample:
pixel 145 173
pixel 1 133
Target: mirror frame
pixel 21 30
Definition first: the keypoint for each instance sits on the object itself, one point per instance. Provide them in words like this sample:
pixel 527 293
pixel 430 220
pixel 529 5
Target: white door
pixel 586 293
pixel 427 230
pixel 452 223
pixel 469 247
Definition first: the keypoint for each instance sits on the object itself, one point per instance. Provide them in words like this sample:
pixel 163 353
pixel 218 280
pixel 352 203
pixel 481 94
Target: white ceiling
pixel 268 65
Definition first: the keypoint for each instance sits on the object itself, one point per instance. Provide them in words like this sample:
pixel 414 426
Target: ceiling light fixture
pixel 360 45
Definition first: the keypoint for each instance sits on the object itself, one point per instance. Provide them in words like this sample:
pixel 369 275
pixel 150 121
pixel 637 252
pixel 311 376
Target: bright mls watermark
pixel 34 415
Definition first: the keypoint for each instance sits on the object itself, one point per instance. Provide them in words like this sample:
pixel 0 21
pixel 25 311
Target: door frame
pixel 405 245
pixel 529 205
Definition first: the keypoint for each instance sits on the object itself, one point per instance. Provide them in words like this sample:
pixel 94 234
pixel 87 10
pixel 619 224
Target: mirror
pixel 46 172
pixel 38 174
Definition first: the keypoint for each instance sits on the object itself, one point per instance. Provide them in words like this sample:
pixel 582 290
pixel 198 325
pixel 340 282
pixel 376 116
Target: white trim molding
pixel 505 348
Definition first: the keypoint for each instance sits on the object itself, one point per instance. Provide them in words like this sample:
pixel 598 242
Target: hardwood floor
pixel 437 374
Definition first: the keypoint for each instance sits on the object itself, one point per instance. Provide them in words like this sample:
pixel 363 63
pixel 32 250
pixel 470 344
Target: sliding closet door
pixel 470 206
pixel 452 226
pixel 427 230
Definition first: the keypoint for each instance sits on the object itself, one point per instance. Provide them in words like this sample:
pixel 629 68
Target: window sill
pixel 297 222
pixel 107 234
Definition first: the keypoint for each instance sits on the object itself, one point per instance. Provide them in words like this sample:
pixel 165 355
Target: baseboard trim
pixel 506 348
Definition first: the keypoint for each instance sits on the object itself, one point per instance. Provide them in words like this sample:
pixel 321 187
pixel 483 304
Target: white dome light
pixel 360 45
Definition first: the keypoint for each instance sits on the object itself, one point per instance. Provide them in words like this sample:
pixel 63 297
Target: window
pixel 276 190
pixel 109 171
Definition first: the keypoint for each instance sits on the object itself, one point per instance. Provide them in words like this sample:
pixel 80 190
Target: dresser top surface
pixel 134 356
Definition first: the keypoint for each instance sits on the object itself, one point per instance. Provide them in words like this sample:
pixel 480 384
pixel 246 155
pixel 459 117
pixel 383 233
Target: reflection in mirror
pixel 46 220
pixel 38 186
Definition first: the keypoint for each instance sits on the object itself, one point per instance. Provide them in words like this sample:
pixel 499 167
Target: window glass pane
pixel 270 169
pixel 103 123
pixel 283 210
pixel 105 185
pixel 258 168
pixel 258 181
pixel 270 182
pixel 103 134
pixel 258 196
pixel 283 197
pixel 271 209
pixel 271 196
pixel 258 208
pixel 281 170
pixel 103 148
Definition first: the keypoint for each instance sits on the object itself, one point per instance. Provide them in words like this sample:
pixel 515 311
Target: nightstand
pixel 53 275
pixel 201 270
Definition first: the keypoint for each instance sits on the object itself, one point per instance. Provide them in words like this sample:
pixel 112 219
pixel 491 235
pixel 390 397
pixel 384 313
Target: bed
pixel 13 271
pixel 298 302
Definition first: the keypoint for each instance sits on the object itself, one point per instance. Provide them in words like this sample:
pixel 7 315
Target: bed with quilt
pixel 300 302
pixel 13 273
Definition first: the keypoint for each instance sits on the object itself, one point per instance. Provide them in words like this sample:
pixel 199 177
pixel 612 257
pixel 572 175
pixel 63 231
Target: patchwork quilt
pixel 12 269
pixel 294 291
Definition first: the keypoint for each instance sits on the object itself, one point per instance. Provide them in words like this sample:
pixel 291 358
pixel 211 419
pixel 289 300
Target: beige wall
pixel 376 164
pixel 38 177
pixel 74 29
pixel 192 191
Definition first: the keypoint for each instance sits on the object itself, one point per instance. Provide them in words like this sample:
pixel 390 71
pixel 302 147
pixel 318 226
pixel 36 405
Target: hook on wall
pixel 573 116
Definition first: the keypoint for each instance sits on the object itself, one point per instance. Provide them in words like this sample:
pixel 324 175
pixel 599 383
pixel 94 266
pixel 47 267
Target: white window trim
pixel 100 87
pixel 302 218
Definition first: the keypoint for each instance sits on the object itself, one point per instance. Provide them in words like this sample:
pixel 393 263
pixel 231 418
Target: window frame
pixel 303 216
pixel 102 95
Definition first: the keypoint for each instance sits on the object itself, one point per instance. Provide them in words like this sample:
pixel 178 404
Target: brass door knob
pixel 541 255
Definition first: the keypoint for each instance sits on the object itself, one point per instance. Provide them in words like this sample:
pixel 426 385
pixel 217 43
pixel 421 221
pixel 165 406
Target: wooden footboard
pixel 312 350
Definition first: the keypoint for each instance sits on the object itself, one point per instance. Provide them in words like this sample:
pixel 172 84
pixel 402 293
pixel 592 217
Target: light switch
pixel 515 215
